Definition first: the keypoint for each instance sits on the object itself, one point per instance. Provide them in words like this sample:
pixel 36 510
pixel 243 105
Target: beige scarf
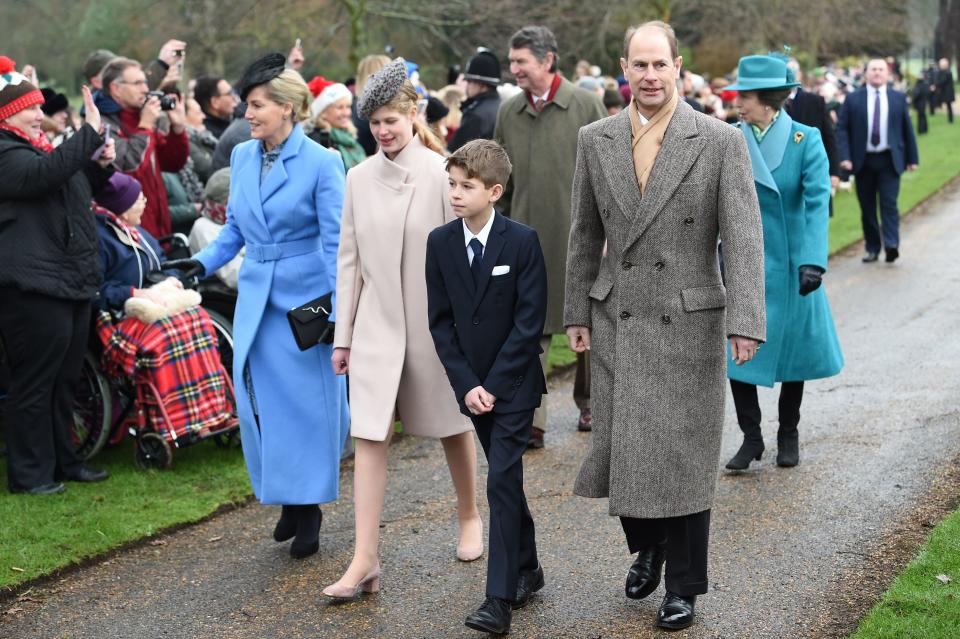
pixel 647 138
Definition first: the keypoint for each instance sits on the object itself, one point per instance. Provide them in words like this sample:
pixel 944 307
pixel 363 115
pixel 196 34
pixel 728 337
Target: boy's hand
pixel 479 401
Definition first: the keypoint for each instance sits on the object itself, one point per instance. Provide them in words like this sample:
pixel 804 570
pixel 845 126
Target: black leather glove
pixel 811 277
pixel 327 336
pixel 188 268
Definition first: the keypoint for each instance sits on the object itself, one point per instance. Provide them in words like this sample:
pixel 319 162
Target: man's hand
pixel 90 110
pixel 295 58
pixel 341 361
pixel 846 165
pixel 177 115
pixel 834 182
pixel 30 73
pixel 168 52
pixel 171 78
pixel 150 113
pixel 913 167
pixel 109 153
pixel 743 349
pixel 579 337
pixel 479 401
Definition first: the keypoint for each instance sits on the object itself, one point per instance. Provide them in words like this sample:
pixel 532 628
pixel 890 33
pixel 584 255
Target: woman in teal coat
pixel 792 177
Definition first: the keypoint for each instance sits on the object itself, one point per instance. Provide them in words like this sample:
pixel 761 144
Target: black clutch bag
pixel 311 323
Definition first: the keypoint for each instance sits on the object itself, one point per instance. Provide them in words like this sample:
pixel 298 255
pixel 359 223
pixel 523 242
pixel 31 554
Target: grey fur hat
pixel 381 87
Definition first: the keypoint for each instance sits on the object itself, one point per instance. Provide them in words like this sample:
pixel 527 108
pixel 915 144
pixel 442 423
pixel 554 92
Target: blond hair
pixel 367 67
pixel 405 101
pixel 289 88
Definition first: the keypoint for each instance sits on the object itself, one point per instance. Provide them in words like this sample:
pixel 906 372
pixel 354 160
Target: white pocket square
pixel 500 270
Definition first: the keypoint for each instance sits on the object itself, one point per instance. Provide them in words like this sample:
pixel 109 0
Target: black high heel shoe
pixel 750 450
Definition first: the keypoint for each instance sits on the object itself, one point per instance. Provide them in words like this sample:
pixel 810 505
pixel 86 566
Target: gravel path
pixel 873 441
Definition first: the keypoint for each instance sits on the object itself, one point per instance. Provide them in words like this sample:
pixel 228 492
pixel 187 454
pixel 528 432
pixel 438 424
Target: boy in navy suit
pixel 487 301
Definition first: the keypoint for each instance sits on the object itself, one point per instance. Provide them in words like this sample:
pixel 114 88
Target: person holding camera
pixel 150 132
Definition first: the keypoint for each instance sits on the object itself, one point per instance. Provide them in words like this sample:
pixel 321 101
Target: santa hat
pixel 16 92
pixel 326 93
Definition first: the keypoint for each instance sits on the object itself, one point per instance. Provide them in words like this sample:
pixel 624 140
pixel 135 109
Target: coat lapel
pixel 458 253
pixel 614 149
pixel 761 172
pixel 681 148
pixel 491 253
pixel 278 173
pixel 250 182
pixel 775 141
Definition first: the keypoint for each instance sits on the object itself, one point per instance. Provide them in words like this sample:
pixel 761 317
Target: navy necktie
pixel 477 259
pixel 875 128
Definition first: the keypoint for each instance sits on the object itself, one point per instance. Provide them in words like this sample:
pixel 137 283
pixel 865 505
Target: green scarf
pixel 760 133
pixel 351 151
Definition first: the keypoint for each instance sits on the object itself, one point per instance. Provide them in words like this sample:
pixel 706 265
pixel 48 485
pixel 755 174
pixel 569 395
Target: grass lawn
pixel 41 534
pixel 918 604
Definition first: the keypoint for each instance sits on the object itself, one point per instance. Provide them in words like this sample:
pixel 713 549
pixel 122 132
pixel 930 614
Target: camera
pixel 167 102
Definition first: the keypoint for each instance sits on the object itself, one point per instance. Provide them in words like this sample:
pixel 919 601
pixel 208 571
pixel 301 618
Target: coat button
pixel 627 265
pixel 665 319
pixel 625 315
pixel 476 321
pixel 659 266
pixel 688 221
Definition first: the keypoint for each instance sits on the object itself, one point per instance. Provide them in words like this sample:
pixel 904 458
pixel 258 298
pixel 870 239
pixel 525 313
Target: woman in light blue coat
pixel 792 177
pixel 286 193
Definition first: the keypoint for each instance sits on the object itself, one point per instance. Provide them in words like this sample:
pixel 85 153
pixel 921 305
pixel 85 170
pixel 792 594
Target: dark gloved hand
pixel 810 278
pixel 188 268
pixel 327 336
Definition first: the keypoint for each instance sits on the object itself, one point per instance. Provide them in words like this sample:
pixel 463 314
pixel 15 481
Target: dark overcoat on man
pixel 479 118
pixel 658 311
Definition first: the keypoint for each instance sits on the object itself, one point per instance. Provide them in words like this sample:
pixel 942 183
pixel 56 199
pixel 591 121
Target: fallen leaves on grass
pixel 17 569
pixel 944 579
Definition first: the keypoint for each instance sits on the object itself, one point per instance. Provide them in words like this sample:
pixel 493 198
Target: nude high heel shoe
pixel 369 584
pixel 472 553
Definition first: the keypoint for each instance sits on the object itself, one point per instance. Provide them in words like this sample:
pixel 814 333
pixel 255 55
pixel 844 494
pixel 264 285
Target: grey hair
pixel 114 71
pixel 540 40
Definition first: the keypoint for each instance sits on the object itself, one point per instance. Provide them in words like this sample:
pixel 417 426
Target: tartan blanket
pixel 178 355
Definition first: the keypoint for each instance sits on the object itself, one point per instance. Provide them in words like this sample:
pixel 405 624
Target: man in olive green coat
pixel 538 128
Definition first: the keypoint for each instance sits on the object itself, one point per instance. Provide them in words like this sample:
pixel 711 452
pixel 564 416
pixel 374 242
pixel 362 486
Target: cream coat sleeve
pixel 349 276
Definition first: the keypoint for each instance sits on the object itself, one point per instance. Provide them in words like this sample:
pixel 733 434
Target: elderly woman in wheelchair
pixel 154 333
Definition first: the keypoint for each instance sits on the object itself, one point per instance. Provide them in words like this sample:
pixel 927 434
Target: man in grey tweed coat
pixel 659 183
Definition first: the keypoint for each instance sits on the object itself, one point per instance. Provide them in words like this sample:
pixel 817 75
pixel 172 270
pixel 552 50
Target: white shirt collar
pixel 482 235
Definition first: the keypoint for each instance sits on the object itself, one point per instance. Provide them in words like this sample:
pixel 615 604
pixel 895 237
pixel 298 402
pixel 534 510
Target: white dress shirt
pixel 884 118
pixel 482 236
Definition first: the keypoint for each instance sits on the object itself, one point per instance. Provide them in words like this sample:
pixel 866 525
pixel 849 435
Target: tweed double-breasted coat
pixel 389 208
pixel 658 312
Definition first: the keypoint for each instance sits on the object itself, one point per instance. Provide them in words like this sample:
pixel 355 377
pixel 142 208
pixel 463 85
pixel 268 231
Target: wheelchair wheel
pixel 92 410
pixel 152 451
pixel 224 329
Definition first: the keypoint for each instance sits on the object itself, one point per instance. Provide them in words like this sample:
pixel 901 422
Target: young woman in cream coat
pixel 393 200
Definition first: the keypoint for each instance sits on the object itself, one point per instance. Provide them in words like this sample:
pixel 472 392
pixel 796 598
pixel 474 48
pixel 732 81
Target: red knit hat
pixel 16 92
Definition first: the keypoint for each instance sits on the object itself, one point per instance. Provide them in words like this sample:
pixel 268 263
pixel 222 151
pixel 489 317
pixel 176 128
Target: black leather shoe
pixel 530 582
pixel 492 616
pixel 307 540
pixel 676 612
pixel 644 575
pixel 750 449
pixel 287 525
pixel 87 475
pixel 47 489
pixel 536 438
pixel 892 254
pixel 788 449
pixel 871 256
